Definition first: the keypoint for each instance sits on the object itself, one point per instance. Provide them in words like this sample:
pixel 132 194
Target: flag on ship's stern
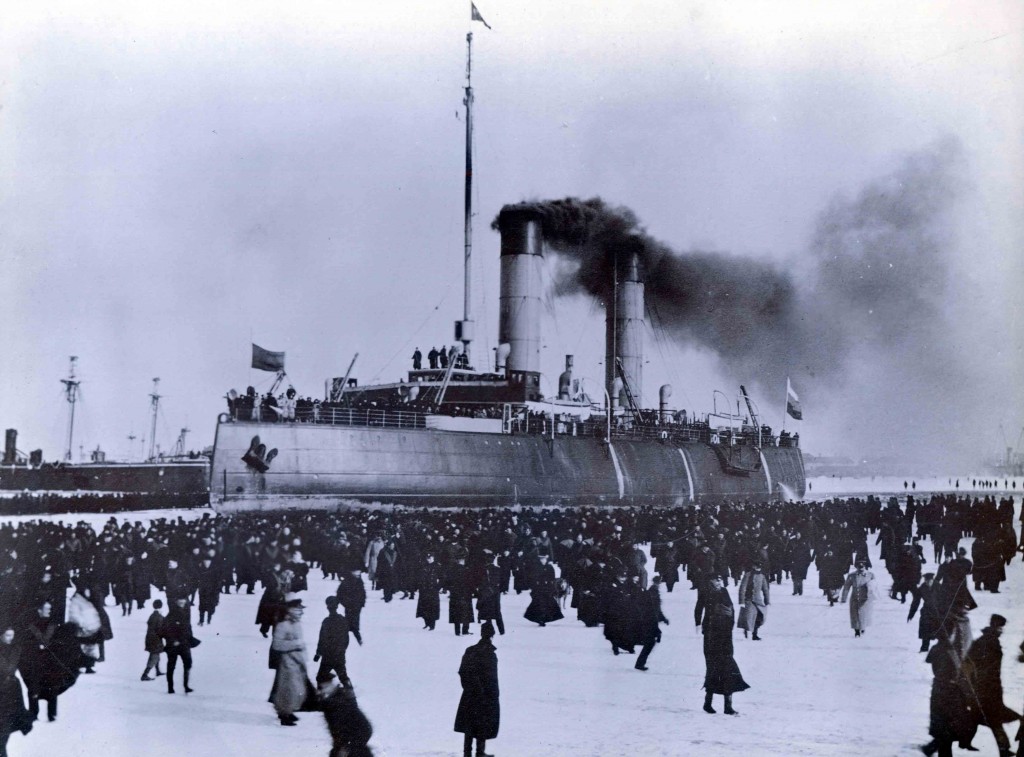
pixel 793 403
pixel 265 360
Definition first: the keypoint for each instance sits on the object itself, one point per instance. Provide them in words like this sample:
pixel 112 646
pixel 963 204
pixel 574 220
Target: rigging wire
pixel 412 337
pixel 662 340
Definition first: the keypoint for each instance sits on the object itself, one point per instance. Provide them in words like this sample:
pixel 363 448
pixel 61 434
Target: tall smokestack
pixel 624 325
pixel 522 256
pixel 10 446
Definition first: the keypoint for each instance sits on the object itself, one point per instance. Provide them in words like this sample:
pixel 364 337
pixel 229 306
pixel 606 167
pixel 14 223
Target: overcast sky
pixel 180 179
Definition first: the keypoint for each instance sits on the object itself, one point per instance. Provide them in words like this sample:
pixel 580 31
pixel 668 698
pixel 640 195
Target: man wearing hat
pixel 460 595
pixel 177 633
pixel 924 598
pixel 981 680
pixel 479 713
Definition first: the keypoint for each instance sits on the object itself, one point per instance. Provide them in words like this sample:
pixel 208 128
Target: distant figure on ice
pixel 479 712
pixel 860 589
pixel 715 614
pixel 350 729
pixel 154 640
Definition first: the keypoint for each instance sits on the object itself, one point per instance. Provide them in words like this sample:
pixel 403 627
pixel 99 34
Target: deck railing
pixel 535 424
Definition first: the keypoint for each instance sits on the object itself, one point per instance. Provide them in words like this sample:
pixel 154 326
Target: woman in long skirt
pixel 543 607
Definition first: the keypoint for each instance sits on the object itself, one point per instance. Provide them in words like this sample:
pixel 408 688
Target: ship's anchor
pixel 257 457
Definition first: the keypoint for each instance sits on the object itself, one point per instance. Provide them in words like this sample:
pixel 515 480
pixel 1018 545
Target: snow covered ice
pixel 816 690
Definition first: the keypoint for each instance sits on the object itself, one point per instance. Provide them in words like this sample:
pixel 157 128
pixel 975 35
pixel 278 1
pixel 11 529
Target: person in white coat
pixel 753 597
pixel 288 657
pixel 860 589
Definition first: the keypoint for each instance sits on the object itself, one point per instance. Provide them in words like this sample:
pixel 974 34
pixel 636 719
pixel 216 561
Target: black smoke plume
pixel 870 282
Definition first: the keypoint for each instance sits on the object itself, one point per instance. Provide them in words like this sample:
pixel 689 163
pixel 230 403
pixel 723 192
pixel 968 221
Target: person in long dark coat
pixel 799 557
pixel 908 570
pixel 388 568
pixel 618 615
pixel 831 574
pixel 352 595
pixel 479 713
pixel 142 578
pixel 650 616
pixel 925 599
pixel 50 659
pixel 981 679
pixel 154 643
pixel 177 633
pixel 428 605
pixel 667 566
pixel 124 585
pixel 14 716
pixel 210 580
pixel 460 596
pixel 488 600
pixel 543 608
pixel 950 717
pixel 715 614
pixel 272 607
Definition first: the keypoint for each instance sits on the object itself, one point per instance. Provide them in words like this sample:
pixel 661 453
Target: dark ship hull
pixel 318 466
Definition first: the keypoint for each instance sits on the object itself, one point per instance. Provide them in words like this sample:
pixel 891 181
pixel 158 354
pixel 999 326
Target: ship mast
pixel 154 398
pixel 71 394
pixel 464 328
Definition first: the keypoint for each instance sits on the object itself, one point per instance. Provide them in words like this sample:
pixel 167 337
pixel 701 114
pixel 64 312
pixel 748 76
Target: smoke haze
pixel 865 297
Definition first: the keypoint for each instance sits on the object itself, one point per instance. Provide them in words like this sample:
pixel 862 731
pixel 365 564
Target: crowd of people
pixel 609 565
